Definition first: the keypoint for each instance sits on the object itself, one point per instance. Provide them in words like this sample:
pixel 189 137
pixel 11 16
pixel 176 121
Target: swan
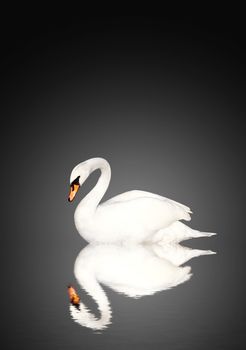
pixel 132 270
pixel 132 217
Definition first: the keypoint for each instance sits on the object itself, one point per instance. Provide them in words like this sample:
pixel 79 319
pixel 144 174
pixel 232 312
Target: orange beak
pixel 73 296
pixel 73 190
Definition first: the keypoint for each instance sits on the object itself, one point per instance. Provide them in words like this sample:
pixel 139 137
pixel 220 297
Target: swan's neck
pixel 83 316
pixel 95 195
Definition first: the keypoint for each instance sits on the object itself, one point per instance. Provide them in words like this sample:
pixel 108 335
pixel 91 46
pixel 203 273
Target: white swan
pixel 134 271
pixel 134 216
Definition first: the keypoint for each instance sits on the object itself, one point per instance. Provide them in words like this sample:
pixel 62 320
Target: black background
pixel 163 101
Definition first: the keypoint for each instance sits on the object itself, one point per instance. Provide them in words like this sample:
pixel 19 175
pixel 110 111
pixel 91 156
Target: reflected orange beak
pixel 73 296
pixel 73 190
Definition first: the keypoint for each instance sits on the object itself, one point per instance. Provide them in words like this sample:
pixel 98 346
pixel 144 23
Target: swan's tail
pixel 178 232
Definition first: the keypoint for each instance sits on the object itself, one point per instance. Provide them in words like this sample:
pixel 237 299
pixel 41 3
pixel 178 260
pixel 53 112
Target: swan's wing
pixel 130 195
pixel 139 215
pixel 126 196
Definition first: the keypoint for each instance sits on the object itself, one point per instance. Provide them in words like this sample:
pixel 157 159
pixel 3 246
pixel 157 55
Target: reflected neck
pixel 83 316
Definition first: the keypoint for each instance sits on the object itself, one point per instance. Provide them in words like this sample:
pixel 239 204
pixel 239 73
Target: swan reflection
pixel 134 271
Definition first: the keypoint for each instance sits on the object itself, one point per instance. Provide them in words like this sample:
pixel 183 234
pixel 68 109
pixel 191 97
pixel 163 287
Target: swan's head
pixel 78 176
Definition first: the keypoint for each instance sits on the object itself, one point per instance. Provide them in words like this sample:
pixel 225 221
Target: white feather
pixel 134 216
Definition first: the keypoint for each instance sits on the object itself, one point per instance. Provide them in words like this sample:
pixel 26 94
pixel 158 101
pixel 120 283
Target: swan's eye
pixel 74 187
pixel 76 181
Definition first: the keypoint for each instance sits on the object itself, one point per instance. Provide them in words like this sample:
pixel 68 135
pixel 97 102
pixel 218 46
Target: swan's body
pixel 134 216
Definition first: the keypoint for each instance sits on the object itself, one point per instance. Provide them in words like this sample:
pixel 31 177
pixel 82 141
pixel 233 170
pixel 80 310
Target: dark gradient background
pixel 163 101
